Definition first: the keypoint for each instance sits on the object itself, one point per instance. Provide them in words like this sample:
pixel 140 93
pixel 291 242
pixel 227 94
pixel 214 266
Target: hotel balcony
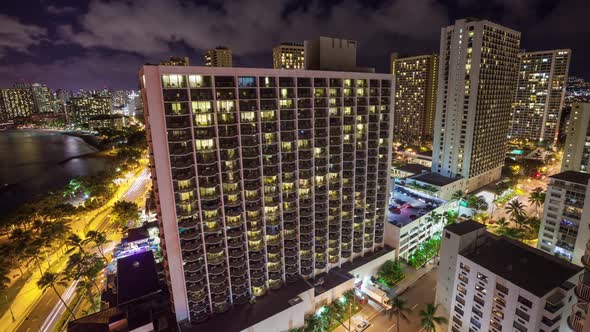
pixel 577 317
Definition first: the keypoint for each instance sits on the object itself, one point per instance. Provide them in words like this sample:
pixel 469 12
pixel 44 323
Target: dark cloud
pixel 51 9
pixel 16 36
pixel 248 26
pixel 93 43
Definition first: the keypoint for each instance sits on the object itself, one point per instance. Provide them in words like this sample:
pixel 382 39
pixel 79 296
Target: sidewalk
pixel 412 276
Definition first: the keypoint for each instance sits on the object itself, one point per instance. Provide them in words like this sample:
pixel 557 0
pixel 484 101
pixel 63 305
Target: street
pixel 417 296
pixel 46 310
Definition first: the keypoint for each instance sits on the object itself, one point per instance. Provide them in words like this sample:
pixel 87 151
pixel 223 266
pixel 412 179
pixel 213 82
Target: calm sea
pixel 30 164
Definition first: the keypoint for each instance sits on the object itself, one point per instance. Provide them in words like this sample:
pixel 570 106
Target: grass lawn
pixel 7 295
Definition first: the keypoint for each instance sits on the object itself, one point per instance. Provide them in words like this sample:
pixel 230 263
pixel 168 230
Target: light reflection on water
pixel 29 164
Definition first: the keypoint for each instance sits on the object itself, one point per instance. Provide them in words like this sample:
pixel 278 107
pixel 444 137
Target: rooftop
pixel 434 179
pixel 407 205
pixel 240 317
pixel 572 176
pixel 136 276
pixel 414 168
pixel 462 228
pixel 524 266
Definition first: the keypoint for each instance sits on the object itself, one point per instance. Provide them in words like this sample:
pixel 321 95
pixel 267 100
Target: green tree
pixel 537 198
pixel 429 320
pixel 124 213
pixel 515 209
pixel 99 239
pixel 75 242
pixel 390 272
pixel 399 308
pixel 51 280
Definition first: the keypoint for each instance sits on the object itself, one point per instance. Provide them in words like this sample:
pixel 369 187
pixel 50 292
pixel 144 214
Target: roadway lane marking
pixel 28 329
pixel 392 326
pixel 415 305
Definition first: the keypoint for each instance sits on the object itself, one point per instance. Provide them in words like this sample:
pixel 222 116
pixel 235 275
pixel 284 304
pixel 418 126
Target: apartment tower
pixel 218 57
pixel 540 92
pixel 288 56
pixel 415 97
pixel 565 226
pixel 264 176
pixel 476 82
pixel 576 154
pixel 499 284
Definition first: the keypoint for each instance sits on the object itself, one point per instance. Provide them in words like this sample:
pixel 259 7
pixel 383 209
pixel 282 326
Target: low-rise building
pixel 114 121
pixel 565 224
pixel 409 220
pixel 407 170
pixel 503 285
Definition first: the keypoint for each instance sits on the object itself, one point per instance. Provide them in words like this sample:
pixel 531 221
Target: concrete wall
pixel 451 245
pixel 333 294
pixel 291 318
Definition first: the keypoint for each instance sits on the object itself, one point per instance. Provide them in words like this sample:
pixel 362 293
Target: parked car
pixel 362 326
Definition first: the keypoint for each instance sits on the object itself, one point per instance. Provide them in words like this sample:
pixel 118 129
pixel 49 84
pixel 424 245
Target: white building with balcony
pixel 504 285
pixel 565 227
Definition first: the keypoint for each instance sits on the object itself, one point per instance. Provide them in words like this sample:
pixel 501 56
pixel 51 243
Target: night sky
pixel 101 44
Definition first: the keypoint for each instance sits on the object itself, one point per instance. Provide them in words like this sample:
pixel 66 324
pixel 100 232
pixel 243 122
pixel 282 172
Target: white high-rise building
pixel 540 92
pixel 565 227
pixel 477 77
pixel 262 177
pixel 501 284
pixel 576 154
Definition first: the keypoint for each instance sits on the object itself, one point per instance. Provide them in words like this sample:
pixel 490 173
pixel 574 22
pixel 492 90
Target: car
pixel 362 326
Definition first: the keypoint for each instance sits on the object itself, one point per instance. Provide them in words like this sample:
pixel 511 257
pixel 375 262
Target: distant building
pixel 333 54
pixel 499 284
pixel 219 57
pixel 115 121
pixel 288 56
pixel 83 108
pixel 19 103
pixel 415 97
pixel 44 99
pixel 565 227
pixel 476 82
pixel 539 97
pixel 176 61
pixel 576 154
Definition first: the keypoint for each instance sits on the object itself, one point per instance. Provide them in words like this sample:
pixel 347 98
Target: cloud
pixel 90 70
pixel 16 36
pixel 51 9
pixel 247 26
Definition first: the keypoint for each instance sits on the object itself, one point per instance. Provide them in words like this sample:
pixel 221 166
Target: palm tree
pixel 75 242
pixel 399 309
pixel 429 320
pixel 49 279
pixel 460 196
pixel 537 198
pixel 99 239
pixel 515 208
pixel 316 323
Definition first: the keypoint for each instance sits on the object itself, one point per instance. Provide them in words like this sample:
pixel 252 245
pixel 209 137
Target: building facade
pixel 576 154
pixel 579 319
pixel 503 285
pixel 327 53
pixel 476 81
pixel 415 98
pixel 565 226
pixel 19 103
pixel 44 99
pixel 81 109
pixel 262 176
pixel 540 92
pixel 219 57
pixel 288 56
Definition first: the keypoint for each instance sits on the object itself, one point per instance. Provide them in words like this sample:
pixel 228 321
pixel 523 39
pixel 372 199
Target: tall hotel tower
pixel 477 78
pixel 539 95
pixel 264 176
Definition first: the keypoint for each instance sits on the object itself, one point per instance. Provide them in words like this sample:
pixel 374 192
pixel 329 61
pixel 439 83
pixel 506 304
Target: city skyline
pixel 68 47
